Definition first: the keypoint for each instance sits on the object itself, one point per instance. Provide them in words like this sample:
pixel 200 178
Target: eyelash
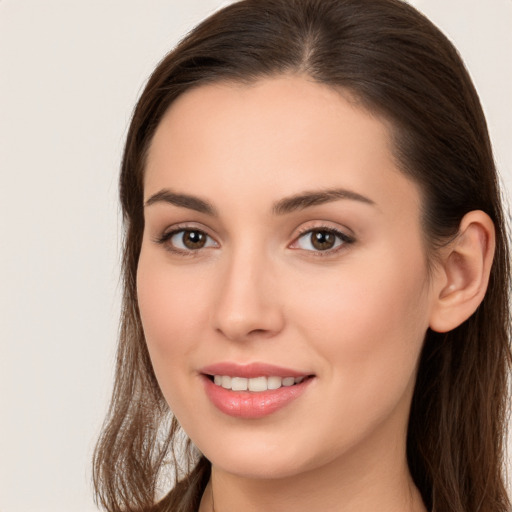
pixel 343 237
pixel 166 237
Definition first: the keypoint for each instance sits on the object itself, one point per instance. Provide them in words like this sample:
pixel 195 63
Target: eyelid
pixel 340 233
pixel 166 236
pixel 346 239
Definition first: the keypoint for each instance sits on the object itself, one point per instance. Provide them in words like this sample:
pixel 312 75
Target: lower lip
pixel 252 405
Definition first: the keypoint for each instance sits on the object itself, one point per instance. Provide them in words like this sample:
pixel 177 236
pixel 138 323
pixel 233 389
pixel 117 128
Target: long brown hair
pixel 400 66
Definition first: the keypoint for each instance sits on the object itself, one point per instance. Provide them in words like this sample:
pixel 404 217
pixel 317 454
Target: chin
pixel 261 468
pixel 258 458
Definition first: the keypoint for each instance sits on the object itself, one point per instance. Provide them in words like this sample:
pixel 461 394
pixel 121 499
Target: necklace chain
pixel 213 503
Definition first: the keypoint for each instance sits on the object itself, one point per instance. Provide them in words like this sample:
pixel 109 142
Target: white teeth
pixel 239 384
pixel 226 382
pixel 258 384
pixel 275 382
pixel 255 384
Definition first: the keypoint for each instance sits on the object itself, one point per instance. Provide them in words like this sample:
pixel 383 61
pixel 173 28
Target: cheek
pixel 370 320
pixel 170 305
pixel 367 326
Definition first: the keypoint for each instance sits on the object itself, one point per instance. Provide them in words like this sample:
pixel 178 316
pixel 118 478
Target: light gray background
pixel 70 73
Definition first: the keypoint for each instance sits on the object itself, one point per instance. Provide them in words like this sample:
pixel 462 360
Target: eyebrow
pixel 282 207
pixel 314 198
pixel 183 201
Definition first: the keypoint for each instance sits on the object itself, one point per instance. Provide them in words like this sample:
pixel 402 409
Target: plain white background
pixel 70 73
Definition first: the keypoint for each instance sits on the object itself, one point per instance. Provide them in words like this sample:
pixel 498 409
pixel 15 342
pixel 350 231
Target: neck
pixel 300 495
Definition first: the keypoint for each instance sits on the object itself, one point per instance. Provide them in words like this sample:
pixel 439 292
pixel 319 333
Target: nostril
pixel 257 331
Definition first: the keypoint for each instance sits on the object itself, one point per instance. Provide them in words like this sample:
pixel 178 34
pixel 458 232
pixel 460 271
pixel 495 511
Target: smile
pixel 255 390
pixel 255 384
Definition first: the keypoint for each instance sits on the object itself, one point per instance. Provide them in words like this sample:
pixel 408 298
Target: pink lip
pixel 247 404
pixel 251 370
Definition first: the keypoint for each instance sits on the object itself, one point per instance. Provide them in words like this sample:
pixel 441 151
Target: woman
pixel 316 272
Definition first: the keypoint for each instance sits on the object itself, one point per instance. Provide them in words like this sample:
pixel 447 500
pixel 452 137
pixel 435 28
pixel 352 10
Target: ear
pixel 462 276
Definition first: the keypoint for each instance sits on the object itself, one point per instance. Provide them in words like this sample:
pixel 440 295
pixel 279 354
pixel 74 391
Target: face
pixel 282 246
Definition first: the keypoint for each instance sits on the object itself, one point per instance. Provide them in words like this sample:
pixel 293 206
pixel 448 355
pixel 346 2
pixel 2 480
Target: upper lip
pixel 251 370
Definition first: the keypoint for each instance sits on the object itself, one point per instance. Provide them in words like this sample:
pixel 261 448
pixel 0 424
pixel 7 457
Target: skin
pixel 354 316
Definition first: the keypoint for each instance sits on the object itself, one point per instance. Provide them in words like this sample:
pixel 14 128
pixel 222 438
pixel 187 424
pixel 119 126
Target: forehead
pixel 275 137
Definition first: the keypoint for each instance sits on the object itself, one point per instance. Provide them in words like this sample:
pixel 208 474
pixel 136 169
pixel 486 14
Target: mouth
pixel 255 390
pixel 255 384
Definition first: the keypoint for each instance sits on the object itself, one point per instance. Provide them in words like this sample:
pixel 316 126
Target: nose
pixel 248 305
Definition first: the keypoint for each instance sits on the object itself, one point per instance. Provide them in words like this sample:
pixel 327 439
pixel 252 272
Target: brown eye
pixel 188 240
pixel 322 240
pixel 193 239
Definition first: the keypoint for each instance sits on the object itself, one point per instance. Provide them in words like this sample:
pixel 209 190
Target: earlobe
pixel 463 273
